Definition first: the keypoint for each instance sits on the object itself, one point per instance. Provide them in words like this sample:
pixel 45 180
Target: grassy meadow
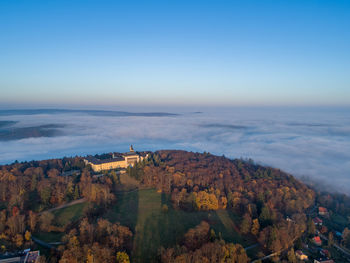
pixel 68 214
pixel 142 211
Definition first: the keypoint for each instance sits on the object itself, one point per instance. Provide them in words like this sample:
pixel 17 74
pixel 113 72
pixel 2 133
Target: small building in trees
pixel 127 159
pixel 317 241
pixel 32 256
pixel 27 257
pixel 322 211
pixel 317 221
pixel 300 255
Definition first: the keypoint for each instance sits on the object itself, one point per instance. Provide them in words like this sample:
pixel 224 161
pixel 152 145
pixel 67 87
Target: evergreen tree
pixel 265 216
pixel 76 193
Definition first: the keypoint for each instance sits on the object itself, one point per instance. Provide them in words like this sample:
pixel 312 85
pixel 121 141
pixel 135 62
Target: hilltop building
pixel 128 159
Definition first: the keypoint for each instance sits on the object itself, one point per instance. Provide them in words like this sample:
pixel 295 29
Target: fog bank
pixel 312 142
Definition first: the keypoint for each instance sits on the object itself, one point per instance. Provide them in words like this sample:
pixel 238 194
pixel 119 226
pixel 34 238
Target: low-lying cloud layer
pixel 304 142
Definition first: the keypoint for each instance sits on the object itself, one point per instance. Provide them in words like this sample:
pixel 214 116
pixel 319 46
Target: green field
pixel 141 211
pixel 68 214
pixel 49 236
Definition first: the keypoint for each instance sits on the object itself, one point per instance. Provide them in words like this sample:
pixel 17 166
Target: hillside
pixel 174 205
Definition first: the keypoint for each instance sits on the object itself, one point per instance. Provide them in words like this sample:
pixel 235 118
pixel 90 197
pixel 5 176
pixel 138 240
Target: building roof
pixel 317 220
pixel 94 160
pixel 33 256
pixel 317 239
pixel 322 210
pixel 130 154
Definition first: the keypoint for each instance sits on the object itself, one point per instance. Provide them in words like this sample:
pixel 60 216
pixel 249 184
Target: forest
pixel 272 207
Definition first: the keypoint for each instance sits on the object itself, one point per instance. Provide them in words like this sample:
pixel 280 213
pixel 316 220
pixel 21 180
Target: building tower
pixel 131 148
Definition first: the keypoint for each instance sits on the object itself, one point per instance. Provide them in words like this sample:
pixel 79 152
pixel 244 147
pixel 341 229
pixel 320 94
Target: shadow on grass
pixel 142 212
pixel 126 210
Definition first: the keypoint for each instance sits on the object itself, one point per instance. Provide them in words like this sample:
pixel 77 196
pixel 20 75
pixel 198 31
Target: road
pixel 11 260
pixel 344 250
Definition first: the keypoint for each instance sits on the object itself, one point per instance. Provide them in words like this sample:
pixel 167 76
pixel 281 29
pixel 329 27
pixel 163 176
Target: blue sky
pixel 175 52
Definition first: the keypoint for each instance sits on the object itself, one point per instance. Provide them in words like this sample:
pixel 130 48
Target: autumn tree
pixel 18 240
pixel 96 241
pixel 330 239
pixel 46 219
pixel 122 257
pixel 291 256
pixel 73 252
pixel 3 217
pixel 45 192
pixel 27 236
pixel 16 224
pixel 223 202
pixel 102 253
pixel 206 201
pixel 197 236
pixel 90 257
pixel 255 227
pixel 346 237
pixel 208 252
pixel 32 220
pixel 311 229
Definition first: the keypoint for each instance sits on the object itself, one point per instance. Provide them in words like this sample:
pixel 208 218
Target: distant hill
pixel 6 123
pixel 9 133
pixel 88 112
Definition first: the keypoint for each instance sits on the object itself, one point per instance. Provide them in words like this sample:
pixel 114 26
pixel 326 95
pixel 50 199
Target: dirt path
pixel 252 246
pixel 42 243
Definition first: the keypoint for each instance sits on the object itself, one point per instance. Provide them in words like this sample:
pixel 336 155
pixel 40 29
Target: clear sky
pixel 175 52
